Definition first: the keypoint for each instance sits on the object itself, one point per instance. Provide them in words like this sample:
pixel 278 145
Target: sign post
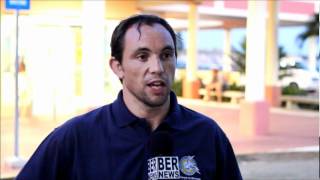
pixel 17 5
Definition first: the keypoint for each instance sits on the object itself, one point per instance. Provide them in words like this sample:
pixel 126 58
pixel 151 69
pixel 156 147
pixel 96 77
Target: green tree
pixel 180 44
pixel 238 56
pixel 312 29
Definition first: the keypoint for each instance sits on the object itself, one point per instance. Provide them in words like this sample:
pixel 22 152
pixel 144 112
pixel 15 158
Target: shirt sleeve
pixel 227 165
pixel 50 161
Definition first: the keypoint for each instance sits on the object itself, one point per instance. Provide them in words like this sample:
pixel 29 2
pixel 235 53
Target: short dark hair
pixel 117 39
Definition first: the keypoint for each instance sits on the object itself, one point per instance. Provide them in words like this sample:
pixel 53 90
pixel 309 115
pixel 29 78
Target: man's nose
pixel 156 65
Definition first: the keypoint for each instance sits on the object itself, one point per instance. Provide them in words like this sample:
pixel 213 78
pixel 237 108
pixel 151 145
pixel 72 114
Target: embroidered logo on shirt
pixel 188 166
pixel 170 167
pixel 163 167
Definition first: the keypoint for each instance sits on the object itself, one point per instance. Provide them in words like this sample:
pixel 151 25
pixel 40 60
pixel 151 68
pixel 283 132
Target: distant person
pixel 215 85
pixel 144 133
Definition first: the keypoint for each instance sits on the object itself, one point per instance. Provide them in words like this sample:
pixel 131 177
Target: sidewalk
pixel 290 151
pixel 288 129
pixel 280 166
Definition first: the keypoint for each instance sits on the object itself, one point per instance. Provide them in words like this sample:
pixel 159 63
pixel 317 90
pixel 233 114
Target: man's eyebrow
pixel 142 49
pixel 168 47
pixel 145 49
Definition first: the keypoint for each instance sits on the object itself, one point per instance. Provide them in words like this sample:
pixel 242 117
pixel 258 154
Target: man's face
pixel 148 64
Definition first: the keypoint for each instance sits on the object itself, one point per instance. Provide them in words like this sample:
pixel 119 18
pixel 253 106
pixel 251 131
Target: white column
pixel 191 84
pixel 51 70
pixel 312 56
pixel 191 66
pixel 227 51
pixel 272 88
pixel 63 62
pixel 272 62
pixel 7 48
pixel 254 110
pixel 94 55
pixel 255 60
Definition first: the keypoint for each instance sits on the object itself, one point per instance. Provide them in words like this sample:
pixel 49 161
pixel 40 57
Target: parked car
pixel 296 73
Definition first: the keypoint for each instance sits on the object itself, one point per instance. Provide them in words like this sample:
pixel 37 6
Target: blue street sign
pixel 18 4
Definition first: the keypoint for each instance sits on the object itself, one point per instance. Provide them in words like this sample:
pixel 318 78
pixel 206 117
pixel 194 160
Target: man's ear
pixel 116 67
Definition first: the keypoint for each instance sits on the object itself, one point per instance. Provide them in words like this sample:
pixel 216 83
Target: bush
pixel 235 87
pixel 308 106
pixel 177 87
pixel 293 90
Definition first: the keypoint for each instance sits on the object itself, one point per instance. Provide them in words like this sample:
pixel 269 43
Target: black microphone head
pixel 160 144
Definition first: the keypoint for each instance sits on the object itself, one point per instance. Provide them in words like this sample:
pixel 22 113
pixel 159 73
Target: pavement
pixel 280 166
pixel 290 149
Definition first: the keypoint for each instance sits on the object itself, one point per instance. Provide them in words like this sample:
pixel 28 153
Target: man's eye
pixel 166 56
pixel 142 57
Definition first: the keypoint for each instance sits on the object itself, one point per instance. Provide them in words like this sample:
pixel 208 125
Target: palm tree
pixel 239 56
pixel 180 44
pixel 312 30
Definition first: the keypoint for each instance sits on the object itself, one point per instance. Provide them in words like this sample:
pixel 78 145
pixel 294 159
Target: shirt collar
pixel 124 117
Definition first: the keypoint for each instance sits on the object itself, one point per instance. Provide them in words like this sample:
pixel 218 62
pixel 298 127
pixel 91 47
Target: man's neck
pixel 153 115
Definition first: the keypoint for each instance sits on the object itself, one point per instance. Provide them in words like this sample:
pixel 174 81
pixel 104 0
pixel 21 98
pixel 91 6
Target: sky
pixel 213 39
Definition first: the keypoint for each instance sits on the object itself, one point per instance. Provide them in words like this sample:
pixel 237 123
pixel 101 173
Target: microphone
pixel 160 144
pixel 162 165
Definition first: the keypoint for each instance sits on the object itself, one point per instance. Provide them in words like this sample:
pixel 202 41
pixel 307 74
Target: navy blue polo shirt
pixel 110 143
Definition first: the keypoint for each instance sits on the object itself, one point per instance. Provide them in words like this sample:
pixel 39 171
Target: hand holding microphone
pixel 162 165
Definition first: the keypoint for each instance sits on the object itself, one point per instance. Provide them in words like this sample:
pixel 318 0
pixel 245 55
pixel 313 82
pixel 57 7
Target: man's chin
pixel 157 101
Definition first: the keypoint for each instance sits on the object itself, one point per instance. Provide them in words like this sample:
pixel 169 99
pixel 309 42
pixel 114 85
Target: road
pixel 280 166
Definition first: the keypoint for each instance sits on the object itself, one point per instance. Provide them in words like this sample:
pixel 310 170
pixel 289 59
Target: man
pixel 215 85
pixel 144 134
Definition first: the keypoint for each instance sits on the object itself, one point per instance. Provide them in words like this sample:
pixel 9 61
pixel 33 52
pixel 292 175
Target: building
pixel 64 47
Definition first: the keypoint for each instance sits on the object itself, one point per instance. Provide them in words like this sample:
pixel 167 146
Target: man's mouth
pixel 156 84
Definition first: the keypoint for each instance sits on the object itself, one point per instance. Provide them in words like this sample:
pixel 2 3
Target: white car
pixel 297 74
